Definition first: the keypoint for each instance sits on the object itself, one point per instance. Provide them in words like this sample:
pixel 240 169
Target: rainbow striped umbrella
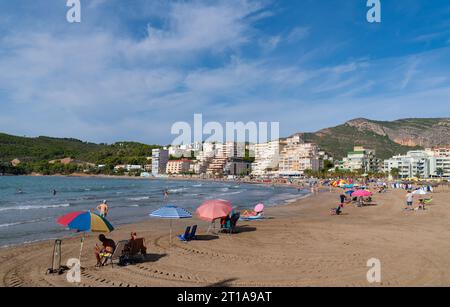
pixel 83 221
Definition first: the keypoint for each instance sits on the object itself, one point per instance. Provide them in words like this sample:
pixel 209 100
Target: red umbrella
pixel 212 210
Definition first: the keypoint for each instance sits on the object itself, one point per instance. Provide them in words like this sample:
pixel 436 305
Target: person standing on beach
pixel 342 197
pixel 409 200
pixel 103 209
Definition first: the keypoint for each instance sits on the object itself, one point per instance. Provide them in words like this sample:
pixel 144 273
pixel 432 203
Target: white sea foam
pixel 139 198
pixel 9 224
pixel 31 207
pixel 176 190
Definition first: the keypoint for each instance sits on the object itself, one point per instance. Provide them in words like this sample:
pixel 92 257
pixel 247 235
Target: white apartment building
pixel 178 166
pixel 361 159
pixel 296 157
pixel 439 152
pixel 267 157
pixel 420 163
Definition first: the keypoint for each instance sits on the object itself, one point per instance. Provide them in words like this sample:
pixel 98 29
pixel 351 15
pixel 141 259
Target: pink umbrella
pixel 259 208
pixel 362 193
pixel 212 210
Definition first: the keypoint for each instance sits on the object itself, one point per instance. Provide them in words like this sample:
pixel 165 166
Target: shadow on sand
pixel 222 283
pixel 244 228
pixel 206 237
pixel 150 258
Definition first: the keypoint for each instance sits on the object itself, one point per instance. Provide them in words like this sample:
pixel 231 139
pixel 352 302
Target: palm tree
pixel 440 172
pixel 395 172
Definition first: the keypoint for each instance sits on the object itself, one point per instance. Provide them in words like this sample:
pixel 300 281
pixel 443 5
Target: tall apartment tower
pixel 160 157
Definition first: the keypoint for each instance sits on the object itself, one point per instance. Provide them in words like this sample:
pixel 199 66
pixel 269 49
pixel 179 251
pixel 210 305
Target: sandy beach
pixel 300 244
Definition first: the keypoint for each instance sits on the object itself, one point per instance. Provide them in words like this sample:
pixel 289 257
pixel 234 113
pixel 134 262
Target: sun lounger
pixel 186 235
pixel 252 217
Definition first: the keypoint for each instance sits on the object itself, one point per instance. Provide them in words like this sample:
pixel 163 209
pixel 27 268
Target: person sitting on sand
pixel 421 204
pixel 104 251
pixel 103 209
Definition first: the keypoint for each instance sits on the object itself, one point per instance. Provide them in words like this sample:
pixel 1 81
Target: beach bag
pixel 124 260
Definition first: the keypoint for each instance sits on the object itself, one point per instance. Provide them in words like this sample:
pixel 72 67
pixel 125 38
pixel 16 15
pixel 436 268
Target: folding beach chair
pixel 185 236
pixel 137 247
pixel 119 251
pixel 192 235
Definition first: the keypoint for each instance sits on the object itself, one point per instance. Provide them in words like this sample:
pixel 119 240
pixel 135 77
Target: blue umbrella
pixel 349 192
pixel 171 212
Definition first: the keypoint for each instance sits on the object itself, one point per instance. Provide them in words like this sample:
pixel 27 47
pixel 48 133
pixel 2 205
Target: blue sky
pixel 132 68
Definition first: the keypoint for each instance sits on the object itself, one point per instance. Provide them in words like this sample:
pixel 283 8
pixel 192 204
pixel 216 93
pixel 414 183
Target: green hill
pixel 33 150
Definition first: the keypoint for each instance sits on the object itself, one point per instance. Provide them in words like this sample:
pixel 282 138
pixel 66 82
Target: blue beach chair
pixel 193 235
pixel 186 235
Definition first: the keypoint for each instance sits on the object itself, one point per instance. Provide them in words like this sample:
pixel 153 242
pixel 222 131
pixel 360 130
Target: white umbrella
pixel 420 192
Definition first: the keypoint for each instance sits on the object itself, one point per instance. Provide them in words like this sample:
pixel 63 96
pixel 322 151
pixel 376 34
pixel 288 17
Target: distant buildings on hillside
pixel 361 159
pixel 290 157
pixel 428 163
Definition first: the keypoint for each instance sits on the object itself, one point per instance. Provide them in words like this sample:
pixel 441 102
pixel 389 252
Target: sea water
pixel 29 209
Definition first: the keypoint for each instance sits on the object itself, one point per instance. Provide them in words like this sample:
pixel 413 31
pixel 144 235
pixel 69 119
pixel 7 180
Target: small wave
pixel 197 185
pixel 230 193
pixel 139 198
pixel 9 225
pixel 34 207
pixel 176 190
pixel 23 222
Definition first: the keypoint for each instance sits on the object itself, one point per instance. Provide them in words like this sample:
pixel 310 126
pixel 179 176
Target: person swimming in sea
pixel 166 194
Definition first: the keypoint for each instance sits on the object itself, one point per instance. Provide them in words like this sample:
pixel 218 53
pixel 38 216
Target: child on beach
pixel 421 204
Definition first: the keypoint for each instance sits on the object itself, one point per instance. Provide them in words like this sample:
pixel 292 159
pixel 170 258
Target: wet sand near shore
pixel 300 244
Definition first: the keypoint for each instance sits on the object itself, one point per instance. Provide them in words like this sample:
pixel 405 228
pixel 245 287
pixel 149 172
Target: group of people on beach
pixel 410 202
pixel 105 251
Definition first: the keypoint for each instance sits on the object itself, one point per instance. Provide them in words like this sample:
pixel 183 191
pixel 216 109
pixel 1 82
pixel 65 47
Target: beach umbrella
pixel 171 212
pixel 350 192
pixel 362 193
pixel 212 210
pixel 84 221
pixel 259 208
pixel 420 192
